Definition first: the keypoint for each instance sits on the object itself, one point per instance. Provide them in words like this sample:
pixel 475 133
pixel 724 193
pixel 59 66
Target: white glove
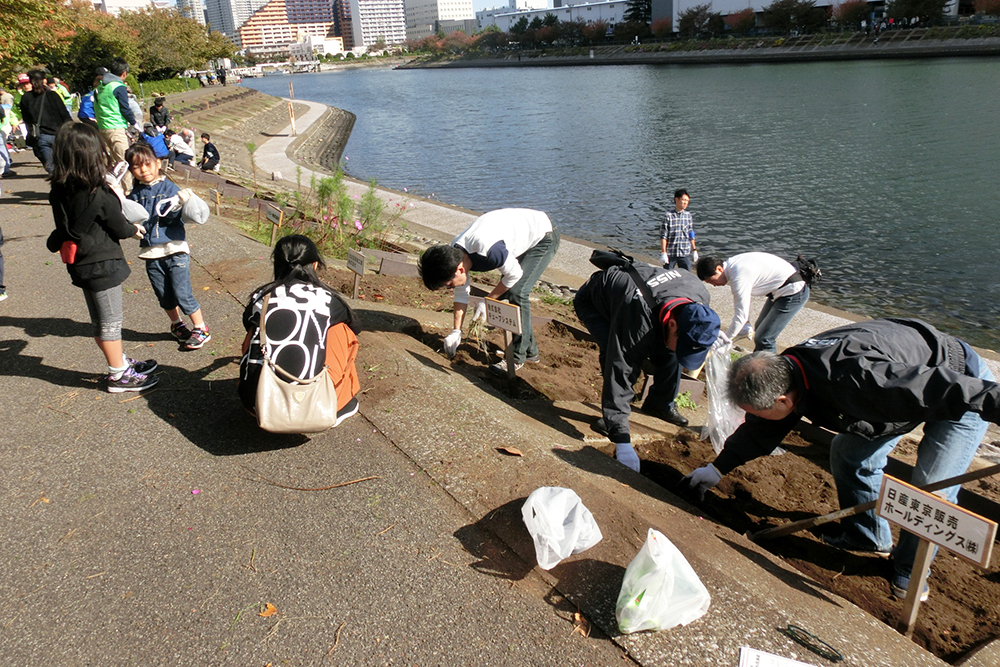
pixel 664 258
pixel 140 231
pixel 451 342
pixel 184 195
pixel 480 312
pixel 746 331
pixel 694 257
pixel 721 343
pixel 625 453
pixel 167 206
pixel 702 479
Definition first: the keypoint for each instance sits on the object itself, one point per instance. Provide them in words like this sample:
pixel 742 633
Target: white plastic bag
pixel 559 524
pixel 723 416
pixel 660 589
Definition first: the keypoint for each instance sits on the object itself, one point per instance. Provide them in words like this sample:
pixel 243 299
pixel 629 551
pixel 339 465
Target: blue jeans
pixel 171 281
pixel 679 263
pixel 533 263
pixel 946 450
pixel 774 317
pixel 43 150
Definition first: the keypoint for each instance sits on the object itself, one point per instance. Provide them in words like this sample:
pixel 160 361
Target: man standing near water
pixel 677 245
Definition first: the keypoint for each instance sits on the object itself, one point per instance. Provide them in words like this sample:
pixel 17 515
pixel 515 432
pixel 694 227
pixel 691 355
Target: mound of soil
pixel 962 612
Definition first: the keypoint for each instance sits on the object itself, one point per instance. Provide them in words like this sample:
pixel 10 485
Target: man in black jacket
pixel 676 331
pixel 43 112
pixel 871 382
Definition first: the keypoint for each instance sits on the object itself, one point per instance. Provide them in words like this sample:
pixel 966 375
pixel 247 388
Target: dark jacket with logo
pixel 94 221
pixel 634 331
pixel 872 379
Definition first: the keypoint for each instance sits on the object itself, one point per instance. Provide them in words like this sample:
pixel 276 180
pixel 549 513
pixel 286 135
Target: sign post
pixel 507 317
pixel 214 194
pixel 935 521
pixel 356 263
pixel 275 216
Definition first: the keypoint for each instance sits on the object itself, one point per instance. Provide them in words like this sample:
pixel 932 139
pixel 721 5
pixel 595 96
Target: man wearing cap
pixel 675 331
pixel 111 107
pixel 871 383
pixel 758 274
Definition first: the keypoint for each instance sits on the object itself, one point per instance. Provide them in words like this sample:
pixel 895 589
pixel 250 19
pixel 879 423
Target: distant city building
pixel 227 16
pixel 611 11
pixel 117 6
pixel 363 23
pixel 423 17
pixel 271 29
pixel 312 47
pixel 192 9
pixel 485 18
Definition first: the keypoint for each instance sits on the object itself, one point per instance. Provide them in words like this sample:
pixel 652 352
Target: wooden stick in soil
pixel 796 526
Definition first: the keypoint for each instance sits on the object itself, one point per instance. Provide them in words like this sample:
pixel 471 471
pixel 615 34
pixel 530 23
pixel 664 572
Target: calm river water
pixel 888 172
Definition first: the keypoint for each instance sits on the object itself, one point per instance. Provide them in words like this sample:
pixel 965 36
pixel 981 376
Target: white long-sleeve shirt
pixel 756 274
pixel 496 239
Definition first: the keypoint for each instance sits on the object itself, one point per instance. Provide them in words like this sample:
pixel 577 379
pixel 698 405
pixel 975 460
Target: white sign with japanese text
pixel 356 261
pixel 503 315
pixel 931 518
pixel 275 215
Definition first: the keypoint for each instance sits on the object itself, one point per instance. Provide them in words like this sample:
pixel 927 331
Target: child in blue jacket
pixel 164 245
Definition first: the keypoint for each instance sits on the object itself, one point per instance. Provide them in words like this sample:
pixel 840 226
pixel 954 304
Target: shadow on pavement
pixel 16 364
pixel 39 327
pixel 209 413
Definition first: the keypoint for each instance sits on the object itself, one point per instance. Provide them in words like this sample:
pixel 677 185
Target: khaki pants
pixel 118 143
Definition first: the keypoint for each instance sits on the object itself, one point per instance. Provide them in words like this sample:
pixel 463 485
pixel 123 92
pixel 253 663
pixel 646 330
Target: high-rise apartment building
pixel 362 23
pixel 279 23
pixel 192 9
pixel 226 16
pixel 116 6
pixel 423 16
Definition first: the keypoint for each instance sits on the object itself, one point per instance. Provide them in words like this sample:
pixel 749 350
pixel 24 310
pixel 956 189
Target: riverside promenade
pixel 157 528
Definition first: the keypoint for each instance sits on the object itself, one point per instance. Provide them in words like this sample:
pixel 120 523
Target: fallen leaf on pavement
pixel 269 610
pixel 581 625
pixel 513 451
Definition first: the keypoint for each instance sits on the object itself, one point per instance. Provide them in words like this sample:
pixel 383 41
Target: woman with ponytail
pixel 308 326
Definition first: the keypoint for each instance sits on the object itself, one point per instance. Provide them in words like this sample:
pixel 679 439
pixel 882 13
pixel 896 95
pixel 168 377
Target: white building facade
pixel 612 12
pixel 226 16
pixel 115 7
pixel 192 9
pixel 423 16
pixel 377 20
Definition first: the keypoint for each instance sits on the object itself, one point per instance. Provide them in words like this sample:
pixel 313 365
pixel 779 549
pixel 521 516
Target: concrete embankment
pixel 807 49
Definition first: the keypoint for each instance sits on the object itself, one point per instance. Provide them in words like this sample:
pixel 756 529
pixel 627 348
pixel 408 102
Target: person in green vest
pixel 55 84
pixel 113 114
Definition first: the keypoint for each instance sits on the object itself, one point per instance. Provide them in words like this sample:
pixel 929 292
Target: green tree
pixel 850 13
pixel 520 26
pixel 931 11
pixel 662 28
pixel 596 32
pixel 744 21
pixel 170 43
pixel 535 24
pixel 492 39
pixel 716 25
pixel 550 20
pixel 694 20
pixel 630 30
pixel 28 28
pixel 639 11
pixel 784 16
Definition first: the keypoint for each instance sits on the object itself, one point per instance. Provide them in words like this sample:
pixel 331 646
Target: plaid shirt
pixel 678 230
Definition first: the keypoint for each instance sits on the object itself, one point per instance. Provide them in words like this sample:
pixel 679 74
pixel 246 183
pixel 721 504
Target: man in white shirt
pixel 758 274
pixel 520 243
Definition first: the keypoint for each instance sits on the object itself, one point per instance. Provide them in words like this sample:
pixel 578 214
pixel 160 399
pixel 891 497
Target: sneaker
pixel 143 367
pixel 840 541
pixel 198 338
pixel 901 584
pixel 501 367
pixel 180 331
pixel 131 381
pixel 347 411
pixel 3 295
